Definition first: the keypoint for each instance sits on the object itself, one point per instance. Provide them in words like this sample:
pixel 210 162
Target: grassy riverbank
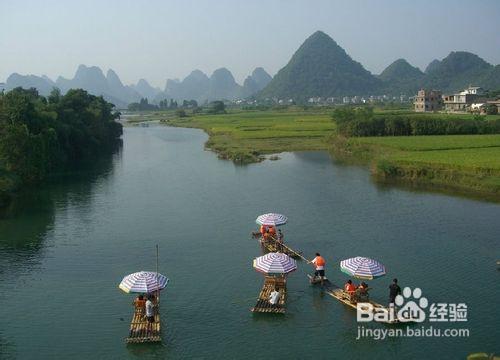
pixel 467 163
pixel 245 136
pixel 460 162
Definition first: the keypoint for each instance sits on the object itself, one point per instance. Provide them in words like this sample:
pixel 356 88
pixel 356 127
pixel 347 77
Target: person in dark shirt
pixel 394 290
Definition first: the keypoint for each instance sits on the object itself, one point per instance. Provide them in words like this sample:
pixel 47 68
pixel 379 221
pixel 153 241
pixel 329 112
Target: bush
pixel 217 107
pixel 181 113
pixel 491 109
pixel 362 122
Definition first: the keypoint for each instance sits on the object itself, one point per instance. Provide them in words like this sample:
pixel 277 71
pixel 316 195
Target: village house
pixel 462 101
pixel 428 100
pixel 496 103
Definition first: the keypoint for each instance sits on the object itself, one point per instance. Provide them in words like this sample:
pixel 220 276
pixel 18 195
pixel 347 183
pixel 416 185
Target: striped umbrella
pixel 275 263
pixel 362 268
pixel 143 282
pixel 272 219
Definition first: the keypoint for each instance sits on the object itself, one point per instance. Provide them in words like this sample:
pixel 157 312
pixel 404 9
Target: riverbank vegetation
pixel 364 121
pixel 459 162
pixel 40 135
pixel 468 160
pixel 412 148
pixel 246 136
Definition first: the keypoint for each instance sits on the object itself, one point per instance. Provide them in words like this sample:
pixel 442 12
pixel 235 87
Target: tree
pixel 173 104
pixel 181 113
pixel 142 105
pixel 217 107
pixel 491 109
pixel 37 136
pixel 55 96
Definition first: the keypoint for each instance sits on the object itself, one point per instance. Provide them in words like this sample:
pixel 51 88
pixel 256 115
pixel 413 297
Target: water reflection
pixel 387 185
pixel 25 223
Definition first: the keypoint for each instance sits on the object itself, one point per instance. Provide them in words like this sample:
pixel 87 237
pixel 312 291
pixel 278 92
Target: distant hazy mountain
pixel 43 83
pixel 194 87
pixel 401 77
pixel 255 82
pixel 145 90
pixel 219 86
pixel 90 78
pixel 320 67
pixel 223 86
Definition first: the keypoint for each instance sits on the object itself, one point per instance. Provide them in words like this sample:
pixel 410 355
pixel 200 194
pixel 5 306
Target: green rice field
pixel 243 136
pixel 464 162
pixel 461 151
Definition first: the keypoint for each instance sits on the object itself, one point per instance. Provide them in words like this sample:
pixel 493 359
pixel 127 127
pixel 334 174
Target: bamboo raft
pixel 342 296
pixel 263 305
pixel 272 245
pixel 141 331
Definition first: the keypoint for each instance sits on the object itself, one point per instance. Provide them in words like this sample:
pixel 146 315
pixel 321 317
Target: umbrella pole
pixel 157 283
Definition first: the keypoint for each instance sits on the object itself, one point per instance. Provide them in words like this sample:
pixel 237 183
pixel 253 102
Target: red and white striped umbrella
pixel 275 263
pixel 143 282
pixel 271 219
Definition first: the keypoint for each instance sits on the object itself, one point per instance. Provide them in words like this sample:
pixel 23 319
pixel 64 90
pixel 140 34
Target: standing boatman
pixel 319 266
pixel 394 290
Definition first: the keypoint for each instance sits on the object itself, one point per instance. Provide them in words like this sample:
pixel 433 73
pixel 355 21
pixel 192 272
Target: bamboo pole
pixel 290 249
pixel 157 283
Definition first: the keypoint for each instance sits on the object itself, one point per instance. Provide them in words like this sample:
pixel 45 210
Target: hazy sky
pixel 157 40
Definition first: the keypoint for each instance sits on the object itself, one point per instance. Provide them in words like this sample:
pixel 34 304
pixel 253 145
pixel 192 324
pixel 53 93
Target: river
pixel 66 245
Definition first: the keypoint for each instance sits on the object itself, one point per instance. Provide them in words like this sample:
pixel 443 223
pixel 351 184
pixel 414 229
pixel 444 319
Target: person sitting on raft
pixel 272 231
pixel 362 293
pixel 274 297
pixel 350 289
pixel 139 303
pixel 267 235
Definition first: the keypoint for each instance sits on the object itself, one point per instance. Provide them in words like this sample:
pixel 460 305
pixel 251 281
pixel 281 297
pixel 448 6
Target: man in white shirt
pixel 150 313
pixel 274 297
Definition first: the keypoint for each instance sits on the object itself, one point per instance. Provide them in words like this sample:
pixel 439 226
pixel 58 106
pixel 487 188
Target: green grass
pixel 429 143
pixel 465 162
pixel 467 158
pixel 243 136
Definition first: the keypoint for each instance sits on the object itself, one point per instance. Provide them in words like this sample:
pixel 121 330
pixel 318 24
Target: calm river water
pixel 65 247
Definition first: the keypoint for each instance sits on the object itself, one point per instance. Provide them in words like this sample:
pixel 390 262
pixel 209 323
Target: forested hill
pixel 320 67
pixel 39 135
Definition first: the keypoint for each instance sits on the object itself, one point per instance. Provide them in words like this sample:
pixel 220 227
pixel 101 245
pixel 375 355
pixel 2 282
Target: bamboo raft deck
pixel 342 296
pixel 263 305
pixel 272 245
pixel 141 331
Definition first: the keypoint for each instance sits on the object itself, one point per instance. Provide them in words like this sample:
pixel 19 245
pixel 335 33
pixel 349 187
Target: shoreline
pixel 389 167
pixel 247 137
